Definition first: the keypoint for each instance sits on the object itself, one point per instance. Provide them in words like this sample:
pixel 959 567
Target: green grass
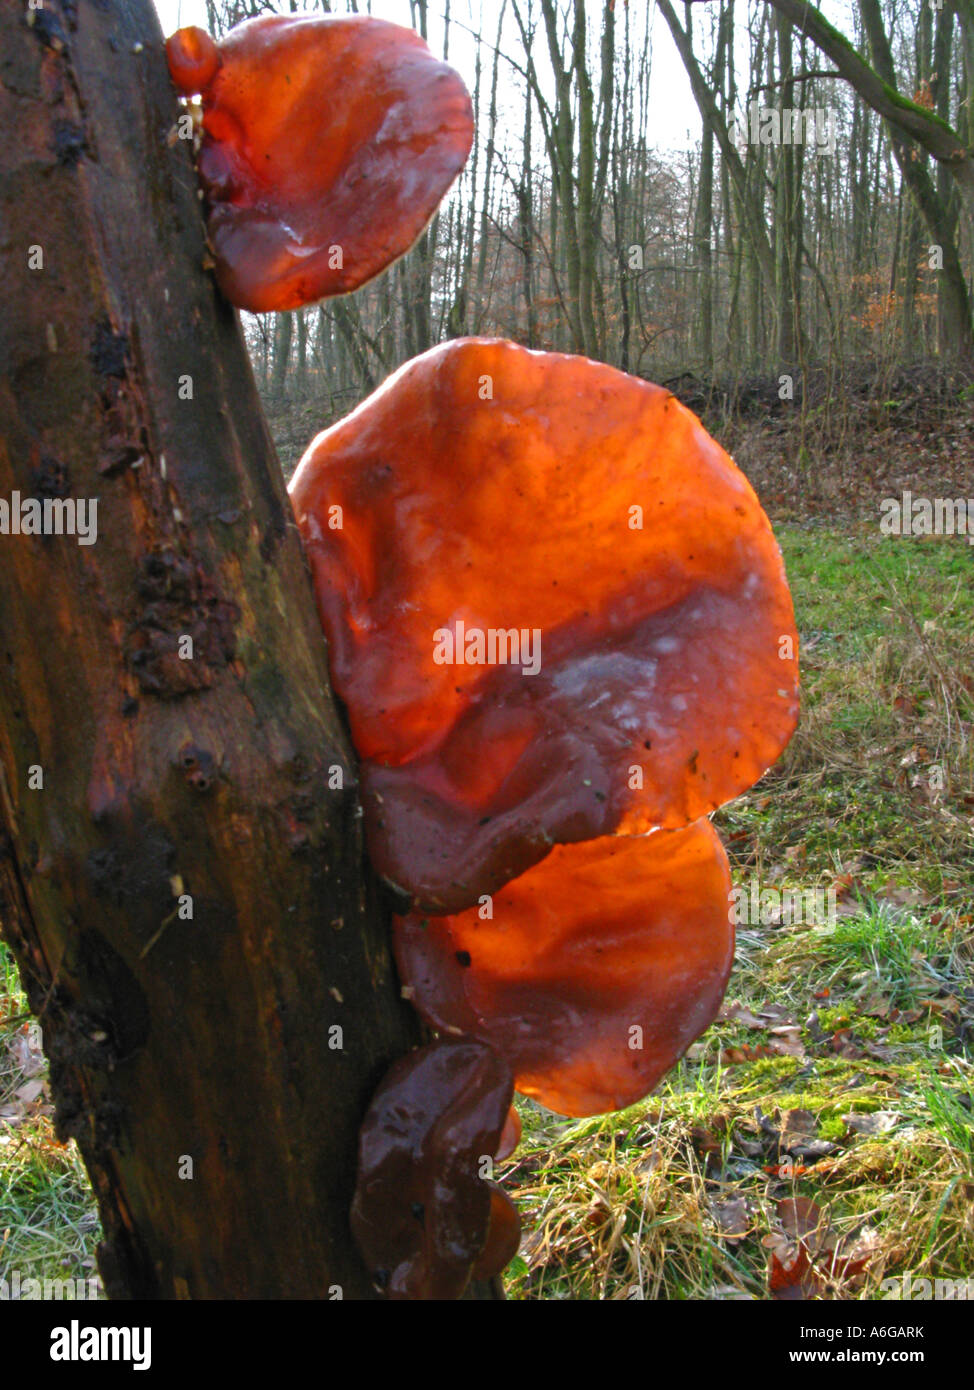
pixel 900 958
pixel 633 1204
pixel 846 586
pixel 48 1223
pixel 951 1106
pixel 679 1196
pixel 880 774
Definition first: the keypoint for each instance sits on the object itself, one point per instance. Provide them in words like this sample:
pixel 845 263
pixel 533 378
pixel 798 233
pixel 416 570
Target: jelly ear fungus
pixel 327 145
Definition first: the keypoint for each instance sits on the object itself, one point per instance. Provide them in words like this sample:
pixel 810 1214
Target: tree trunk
pixel 283 335
pixel 911 121
pixel 710 112
pixel 301 371
pixel 182 876
pixel 787 193
pixel 585 228
pixel 955 330
pixel 703 231
pixel 561 153
pixel 525 201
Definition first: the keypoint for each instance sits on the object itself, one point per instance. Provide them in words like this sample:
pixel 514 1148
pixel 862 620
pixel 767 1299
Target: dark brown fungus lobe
pixel 423 1216
pixel 327 146
pixel 510 1135
pixel 503 1235
pixel 555 611
pixel 599 967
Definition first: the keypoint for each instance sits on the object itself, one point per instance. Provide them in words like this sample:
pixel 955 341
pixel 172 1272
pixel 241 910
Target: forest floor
pixel 818 1140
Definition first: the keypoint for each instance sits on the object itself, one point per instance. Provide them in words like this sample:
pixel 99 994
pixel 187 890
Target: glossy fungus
pixel 422 1216
pixel 193 58
pixel 510 1135
pixel 597 969
pixel 327 145
pixel 554 607
pixel 559 622
pixel 503 1235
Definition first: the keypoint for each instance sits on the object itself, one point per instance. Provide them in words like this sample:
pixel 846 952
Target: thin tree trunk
pixel 283 334
pixel 955 329
pixel 302 362
pixel 703 231
pixel 585 229
pixel 709 110
pixel 912 121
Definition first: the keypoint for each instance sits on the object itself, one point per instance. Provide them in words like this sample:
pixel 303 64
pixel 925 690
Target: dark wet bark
pixel 182 873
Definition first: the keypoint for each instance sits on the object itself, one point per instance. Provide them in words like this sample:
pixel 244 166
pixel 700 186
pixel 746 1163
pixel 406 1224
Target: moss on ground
pixel 681 1197
pixel 850 1082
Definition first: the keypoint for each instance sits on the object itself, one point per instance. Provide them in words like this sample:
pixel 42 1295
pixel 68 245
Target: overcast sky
pixel 679 125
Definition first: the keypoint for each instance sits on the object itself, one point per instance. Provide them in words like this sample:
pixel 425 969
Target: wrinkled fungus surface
pixel 555 611
pixel 598 969
pixel 423 1218
pixel 327 145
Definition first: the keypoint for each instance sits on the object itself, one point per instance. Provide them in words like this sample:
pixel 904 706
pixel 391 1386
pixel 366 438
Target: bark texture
pixel 138 783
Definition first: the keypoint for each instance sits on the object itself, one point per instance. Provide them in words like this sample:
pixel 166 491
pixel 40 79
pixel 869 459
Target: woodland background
pixel 815 309
pixel 571 229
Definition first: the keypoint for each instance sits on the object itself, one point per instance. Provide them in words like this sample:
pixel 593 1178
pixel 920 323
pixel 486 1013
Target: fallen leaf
pixel 733 1056
pixel 731 1218
pixel 950 1005
pixel 737 1013
pixel 807 1254
pixel 706 1141
pixel 902 896
pixel 776 1013
pixel 797 1124
pixel 650 1163
pixel 878 1122
pixel 841 1042
pixel 795 1279
pixel 799 1216
pixel 876 1006
pixel 789 1046
pixel 26 1052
